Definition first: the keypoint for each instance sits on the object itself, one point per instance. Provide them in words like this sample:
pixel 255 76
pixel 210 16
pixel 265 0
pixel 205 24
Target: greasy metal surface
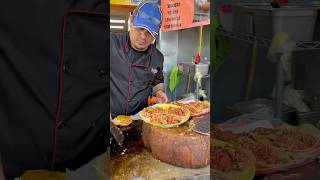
pixel 143 165
pixel 133 161
pixel 201 125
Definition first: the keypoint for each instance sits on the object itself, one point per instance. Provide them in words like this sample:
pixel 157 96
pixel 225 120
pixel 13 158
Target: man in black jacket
pixel 53 87
pixel 136 64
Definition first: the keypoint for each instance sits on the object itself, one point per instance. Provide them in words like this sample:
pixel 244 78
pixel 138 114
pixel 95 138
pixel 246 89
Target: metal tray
pixel 237 109
pixel 255 104
pixel 310 117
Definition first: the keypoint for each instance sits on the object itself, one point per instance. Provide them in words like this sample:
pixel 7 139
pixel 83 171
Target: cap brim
pixel 143 23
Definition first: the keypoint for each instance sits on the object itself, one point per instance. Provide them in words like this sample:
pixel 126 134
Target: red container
pixel 281 1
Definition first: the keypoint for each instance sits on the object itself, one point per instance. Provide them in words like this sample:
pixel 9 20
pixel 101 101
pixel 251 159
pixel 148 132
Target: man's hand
pixel 161 96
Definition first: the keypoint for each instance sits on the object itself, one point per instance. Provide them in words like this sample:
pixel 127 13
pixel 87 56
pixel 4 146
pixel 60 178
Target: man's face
pixel 140 38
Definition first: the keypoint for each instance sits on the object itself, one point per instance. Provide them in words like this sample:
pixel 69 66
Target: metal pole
pixel 279 90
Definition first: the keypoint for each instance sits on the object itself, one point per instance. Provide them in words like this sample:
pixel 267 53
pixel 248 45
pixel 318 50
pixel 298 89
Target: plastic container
pixel 292 22
pixel 205 60
pixel 198 59
pixel 202 68
pixel 269 21
pixel 226 17
pixel 241 19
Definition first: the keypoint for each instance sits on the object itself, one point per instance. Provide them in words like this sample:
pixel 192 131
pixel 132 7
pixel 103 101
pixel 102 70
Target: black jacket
pixel 53 87
pixel 132 77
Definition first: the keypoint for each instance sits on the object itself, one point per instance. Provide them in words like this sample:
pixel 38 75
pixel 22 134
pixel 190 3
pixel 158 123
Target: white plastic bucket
pixel 226 17
pixel 298 24
pixel 202 68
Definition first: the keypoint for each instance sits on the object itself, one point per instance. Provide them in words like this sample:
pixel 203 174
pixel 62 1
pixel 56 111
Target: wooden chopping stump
pixel 178 146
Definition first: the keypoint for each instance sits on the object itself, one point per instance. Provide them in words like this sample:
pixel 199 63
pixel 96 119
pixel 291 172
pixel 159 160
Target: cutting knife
pixel 117 134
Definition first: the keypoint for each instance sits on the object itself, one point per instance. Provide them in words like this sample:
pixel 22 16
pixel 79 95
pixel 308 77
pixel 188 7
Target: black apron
pixel 53 67
pixel 132 80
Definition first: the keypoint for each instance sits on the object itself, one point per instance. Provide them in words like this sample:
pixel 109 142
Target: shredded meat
pixel 225 159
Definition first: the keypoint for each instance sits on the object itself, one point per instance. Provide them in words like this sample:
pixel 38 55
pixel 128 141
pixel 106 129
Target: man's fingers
pixel 162 97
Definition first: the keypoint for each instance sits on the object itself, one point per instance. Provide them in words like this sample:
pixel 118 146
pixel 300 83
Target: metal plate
pixel 201 125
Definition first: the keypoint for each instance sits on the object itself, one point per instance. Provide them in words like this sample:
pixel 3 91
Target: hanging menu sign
pixel 131 2
pixel 182 14
pixel 125 2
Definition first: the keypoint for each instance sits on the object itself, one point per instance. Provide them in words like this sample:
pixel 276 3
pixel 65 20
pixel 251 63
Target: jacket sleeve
pixel 158 77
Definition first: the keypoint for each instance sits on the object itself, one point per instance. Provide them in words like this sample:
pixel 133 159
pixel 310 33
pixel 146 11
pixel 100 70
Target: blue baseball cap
pixel 148 15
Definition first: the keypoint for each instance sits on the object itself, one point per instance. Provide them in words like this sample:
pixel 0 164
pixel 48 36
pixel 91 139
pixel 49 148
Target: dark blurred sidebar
pixel 1 170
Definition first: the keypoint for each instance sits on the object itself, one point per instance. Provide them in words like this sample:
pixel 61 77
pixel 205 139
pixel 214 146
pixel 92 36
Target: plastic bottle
pixel 197 59
pixel 152 101
pixel 205 60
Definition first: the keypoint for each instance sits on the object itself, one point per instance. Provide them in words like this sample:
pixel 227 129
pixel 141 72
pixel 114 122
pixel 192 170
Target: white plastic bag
pixel 247 122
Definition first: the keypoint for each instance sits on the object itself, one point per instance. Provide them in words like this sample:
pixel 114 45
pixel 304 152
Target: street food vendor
pixel 135 63
pixel 53 66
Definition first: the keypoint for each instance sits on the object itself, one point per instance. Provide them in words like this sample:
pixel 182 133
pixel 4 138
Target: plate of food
pixel 277 149
pixel 303 138
pixel 196 108
pixel 229 162
pixel 265 154
pixel 165 115
pixel 267 157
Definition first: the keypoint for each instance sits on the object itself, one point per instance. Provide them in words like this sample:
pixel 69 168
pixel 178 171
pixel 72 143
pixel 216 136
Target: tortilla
pixel 122 120
pixel 239 166
pixel 165 115
pixel 196 108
